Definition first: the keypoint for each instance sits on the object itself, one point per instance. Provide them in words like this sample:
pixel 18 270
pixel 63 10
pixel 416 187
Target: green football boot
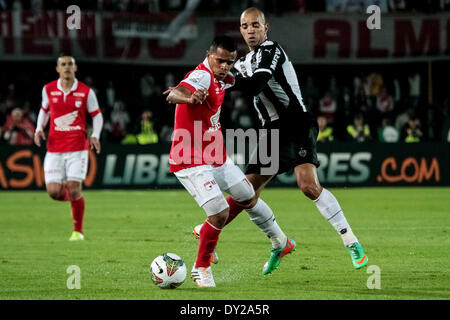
pixel 359 258
pixel 76 236
pixel 276 255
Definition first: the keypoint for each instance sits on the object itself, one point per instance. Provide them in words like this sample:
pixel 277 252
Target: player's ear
pixel 266 27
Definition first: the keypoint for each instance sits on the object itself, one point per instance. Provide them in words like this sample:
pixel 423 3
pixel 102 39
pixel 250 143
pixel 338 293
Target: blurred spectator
pixel 325 132
pixel 11 97
pixel 110 96
pixel 446 120
pixel 414 89
pixel 18 130
pixel 120 120
pixel 385 103
pixel 387 132
pixel 359 131
pixel 403 118
pixel 147 85
pixel 327 107
pixel 333 88
pixel 413 131
pixel 311 93
pixel 145 133
pixel 375 83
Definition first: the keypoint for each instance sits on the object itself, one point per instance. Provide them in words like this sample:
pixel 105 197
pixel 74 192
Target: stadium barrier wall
pixel 144 167
pixel 145 38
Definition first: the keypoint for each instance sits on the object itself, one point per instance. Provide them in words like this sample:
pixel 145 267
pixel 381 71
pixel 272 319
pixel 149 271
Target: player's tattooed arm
pixel 182 94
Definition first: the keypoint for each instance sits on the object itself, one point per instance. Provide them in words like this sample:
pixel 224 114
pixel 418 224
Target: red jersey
pixel 68 115
pixel 198 138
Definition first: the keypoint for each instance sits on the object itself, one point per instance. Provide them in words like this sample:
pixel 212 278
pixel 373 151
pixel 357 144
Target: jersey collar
pixel 74 86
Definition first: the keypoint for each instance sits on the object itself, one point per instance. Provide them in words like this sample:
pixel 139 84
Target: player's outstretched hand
pixel 37 137
pixel 168 90
pixel 199 96
pixel 95 144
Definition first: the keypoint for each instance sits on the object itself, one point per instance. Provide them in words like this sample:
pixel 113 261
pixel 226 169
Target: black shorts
pixel 297 145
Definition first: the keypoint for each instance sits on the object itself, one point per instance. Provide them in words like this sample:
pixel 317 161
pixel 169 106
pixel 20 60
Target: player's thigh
pixel 228 175
pixel 77 165
pixel 54 169
pixel 202 186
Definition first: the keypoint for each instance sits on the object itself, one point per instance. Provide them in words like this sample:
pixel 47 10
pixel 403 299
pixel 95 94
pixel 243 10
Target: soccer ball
pixel 168 271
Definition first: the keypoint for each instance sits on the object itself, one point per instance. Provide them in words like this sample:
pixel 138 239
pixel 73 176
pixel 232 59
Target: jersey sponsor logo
pixel 78 103
pixel 215 124
pixel 56 93
pixel 64 122
pixel 275 59
pixel 79 94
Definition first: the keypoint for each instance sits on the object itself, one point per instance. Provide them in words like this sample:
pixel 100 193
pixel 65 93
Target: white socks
pixel 331 210
pixel 263 217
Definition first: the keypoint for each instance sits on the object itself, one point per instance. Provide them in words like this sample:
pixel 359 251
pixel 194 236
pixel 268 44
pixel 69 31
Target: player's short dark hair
pixel 64 54
pixel 223 42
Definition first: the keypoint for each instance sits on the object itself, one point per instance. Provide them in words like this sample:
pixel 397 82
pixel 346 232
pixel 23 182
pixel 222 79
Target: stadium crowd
pixel 360 107
pixel 232 6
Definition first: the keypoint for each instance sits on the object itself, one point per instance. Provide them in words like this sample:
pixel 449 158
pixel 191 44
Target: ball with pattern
pixel 168 271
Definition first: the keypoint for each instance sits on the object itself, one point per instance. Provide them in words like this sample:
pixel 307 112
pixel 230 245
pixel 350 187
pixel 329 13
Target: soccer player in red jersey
pixel 66 103
pixel 198 158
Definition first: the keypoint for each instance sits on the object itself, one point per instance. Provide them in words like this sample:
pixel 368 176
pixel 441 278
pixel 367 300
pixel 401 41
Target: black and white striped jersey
pixel 280 95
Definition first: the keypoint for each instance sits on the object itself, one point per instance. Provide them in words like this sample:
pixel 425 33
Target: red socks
pixel 78 214
pixel 235 209
pixel 207 243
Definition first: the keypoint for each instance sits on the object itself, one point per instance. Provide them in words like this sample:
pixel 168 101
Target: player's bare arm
pixel 183 95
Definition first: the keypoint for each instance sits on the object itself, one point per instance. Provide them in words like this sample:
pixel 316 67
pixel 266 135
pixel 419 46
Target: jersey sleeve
pixel 92 104
pixel 268 58
pixel 197 79
pixel 44 103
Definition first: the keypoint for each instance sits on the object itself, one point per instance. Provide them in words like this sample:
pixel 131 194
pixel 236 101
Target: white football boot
pixel 203 276
pixel 214 256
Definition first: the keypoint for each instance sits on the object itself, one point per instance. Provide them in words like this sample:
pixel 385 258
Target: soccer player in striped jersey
pixel 268 75
pixel 66 102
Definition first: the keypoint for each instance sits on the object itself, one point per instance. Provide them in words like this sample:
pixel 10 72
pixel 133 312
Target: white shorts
pixel 68 166
pixel 207 182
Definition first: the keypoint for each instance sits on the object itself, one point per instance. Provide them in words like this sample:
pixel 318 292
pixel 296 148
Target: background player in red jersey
pixel 198 157
pixel 66 102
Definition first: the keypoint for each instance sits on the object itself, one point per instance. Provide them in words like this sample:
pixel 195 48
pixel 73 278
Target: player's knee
pixel 54 194
pixel 311 190
pixel 219 219
pixel 217 210
pixel 243 192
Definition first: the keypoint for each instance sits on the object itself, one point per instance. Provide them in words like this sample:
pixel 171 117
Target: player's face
pixel 66 68
pixel 221 61
pixel 253 29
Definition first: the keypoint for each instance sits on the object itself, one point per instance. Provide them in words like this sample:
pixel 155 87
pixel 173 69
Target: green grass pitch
pixel 405 232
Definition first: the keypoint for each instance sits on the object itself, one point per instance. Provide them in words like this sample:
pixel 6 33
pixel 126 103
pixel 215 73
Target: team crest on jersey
pixel 55 100
pixel 209 185
pixel 302 153
pixel 78 103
